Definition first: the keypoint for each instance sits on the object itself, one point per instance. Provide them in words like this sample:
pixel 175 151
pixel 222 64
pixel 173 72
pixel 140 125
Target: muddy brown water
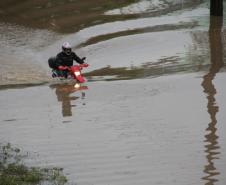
pixel 124 34
pixel 166 130
pixel 153 109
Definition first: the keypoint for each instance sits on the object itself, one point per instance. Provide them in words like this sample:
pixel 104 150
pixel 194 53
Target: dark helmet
pixel 66 48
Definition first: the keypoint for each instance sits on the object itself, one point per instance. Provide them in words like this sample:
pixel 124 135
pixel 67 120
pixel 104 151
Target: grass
pixel 14 172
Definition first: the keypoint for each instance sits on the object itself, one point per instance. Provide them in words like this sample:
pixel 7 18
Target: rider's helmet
pixel 66 48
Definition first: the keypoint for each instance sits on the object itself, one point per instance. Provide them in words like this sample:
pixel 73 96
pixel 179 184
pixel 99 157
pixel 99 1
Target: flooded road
pixel 164 130
pixel 107 34
pixel 153 109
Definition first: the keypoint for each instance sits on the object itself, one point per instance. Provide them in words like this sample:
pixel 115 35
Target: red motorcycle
pixel 66 72
pixel 73 72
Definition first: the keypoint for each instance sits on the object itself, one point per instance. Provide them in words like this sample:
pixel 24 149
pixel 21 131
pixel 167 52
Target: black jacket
pixel 63 59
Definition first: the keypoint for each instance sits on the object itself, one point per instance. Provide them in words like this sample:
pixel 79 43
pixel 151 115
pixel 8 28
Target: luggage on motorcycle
pixel 52 63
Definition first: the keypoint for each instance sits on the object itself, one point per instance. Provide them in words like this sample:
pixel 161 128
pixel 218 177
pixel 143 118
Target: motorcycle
pixel 73 72
pixel 66 72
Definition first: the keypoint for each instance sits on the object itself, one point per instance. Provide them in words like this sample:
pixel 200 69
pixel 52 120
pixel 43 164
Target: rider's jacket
pixel 62 59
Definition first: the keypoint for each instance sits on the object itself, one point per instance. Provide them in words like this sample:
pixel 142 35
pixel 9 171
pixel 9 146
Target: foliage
pixel 14 172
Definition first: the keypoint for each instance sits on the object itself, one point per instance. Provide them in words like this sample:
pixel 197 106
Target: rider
pixel 65 59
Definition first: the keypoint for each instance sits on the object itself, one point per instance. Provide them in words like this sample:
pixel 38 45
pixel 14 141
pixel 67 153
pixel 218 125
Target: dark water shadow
pixel 65 16
pixel 151 70
pixel 69 16
pixel 20 86
pixel 211 138
pixel 63 92
pixel 136 31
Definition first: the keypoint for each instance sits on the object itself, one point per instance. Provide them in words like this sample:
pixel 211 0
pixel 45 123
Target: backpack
pixel 52 63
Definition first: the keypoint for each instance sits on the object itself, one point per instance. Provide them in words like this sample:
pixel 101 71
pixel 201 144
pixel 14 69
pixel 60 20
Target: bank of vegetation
pixel 13 171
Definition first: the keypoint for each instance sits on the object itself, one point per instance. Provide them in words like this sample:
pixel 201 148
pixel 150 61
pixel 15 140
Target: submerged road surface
pixel 168 130
pixel 164 126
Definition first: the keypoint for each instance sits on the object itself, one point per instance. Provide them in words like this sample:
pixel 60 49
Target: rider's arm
pixel 77 59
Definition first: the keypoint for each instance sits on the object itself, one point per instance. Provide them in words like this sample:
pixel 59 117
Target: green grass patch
pixel 14 172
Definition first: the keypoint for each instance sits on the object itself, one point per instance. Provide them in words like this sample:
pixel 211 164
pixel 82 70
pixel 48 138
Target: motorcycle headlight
pixel 77 73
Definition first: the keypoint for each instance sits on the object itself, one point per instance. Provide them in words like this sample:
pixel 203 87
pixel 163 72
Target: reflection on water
pixel 63 92
pixel 211 142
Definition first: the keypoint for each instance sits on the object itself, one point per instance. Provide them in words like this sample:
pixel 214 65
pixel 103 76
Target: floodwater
pixel 152 110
